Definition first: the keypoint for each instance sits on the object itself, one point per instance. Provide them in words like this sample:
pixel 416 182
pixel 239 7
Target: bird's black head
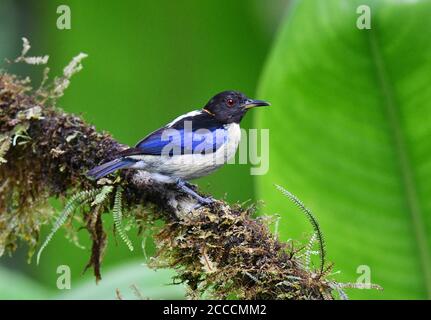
pixel 231 106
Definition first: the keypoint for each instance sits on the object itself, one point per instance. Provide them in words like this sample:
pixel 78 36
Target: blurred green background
pixel 349 123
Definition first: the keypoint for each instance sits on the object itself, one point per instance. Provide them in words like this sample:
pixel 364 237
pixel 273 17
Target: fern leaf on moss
pixel 309 250
pixel 313 222
pixel 117 212
pixel 102 195
pixel 75 202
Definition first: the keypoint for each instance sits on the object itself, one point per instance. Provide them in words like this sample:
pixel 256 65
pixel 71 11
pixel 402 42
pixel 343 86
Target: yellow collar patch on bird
pixel 209 112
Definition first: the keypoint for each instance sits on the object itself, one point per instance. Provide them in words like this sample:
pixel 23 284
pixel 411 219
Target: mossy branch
pixel 220 249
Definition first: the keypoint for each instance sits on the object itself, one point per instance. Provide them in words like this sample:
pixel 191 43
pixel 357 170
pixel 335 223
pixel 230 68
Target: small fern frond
pixel 117 213
pixel 313 222
pixel 102 195
pixel 144 248
pixel 341 293
pixel 76 201
pixel 309 250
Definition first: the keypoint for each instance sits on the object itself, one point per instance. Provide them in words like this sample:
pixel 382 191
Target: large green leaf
pixel 127 278
pixel 14 285
pixel 350 135
pixel 151 284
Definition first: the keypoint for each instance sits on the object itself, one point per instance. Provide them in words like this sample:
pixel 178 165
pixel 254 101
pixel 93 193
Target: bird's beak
pixel 255 103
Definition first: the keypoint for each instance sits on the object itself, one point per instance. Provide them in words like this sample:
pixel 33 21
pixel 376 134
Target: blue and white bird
pixel 191 146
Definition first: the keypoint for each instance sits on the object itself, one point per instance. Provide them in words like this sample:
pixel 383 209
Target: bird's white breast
pixel 191 166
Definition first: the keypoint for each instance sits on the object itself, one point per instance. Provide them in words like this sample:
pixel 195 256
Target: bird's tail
pixel 109 167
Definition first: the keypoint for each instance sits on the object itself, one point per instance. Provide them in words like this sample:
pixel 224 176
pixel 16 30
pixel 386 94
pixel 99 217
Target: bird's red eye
pixel 230 102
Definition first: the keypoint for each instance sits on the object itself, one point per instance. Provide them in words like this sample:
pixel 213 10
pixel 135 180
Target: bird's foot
pixel 186 187
pixel 203 202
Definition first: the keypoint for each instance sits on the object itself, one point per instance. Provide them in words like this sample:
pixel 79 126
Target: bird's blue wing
pixel 193 133
pixel 176 141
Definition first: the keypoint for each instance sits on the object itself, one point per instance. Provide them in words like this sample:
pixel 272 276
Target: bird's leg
pixel 190 185
pixel 185 186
